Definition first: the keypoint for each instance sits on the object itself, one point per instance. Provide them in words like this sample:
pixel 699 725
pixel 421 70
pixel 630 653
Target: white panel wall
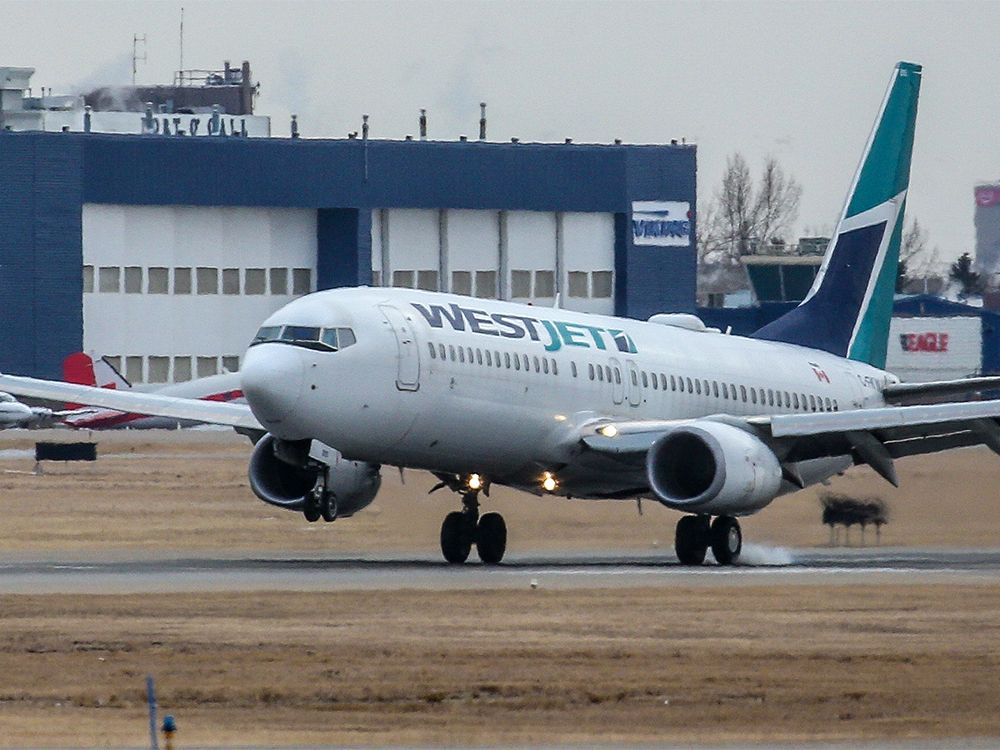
pixel 414 241
pixel 926 349
pixel 531 246
pixel 179 325
pixel 588 245
pixel 473 247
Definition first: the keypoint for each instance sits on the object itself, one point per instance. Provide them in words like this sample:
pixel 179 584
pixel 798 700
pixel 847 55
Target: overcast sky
pixel 801 81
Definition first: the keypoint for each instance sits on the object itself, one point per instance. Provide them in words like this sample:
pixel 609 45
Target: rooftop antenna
pixel 137 39
pixel 182 39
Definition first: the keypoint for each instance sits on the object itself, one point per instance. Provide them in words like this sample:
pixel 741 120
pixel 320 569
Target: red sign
pixel 987 196
pixel 924 342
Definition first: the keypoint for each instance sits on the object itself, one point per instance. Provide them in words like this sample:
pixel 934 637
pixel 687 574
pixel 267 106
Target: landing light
pixel 608 430
pixel 549 482
pixel 475 482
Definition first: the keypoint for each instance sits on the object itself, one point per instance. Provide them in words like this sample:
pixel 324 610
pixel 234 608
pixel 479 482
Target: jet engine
pixel 284 474
pixel 713 468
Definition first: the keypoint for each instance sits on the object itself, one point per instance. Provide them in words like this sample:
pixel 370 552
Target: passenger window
pixel 690 386
pixel 753 396
pixel 489 358
pixel 600 374
pixel 517 363
pixel 654 381
pixel 673 383
pixel 706 387
pixel 715 388
pixel 496 357
pixel 635 379
pixel 433 350
pixel 479 356
pixel 572 368
pixel 555 367
pixel 779 398
pixel 812 402
pixel 836 407
pixel 829 406
pixel 590 370
pixel 795 400
pixel 645 380
pixel 788 399
pixel 538 367
pixel 697 387
pixel 607 371
pixel 506 359
pixel 441 351
pixel 663 382
pixel 525 361
pixel 471 360
pixel 451 351
pixel 545 366
pixel 770 397
pixel 743 393
pixel 461 355
pixel 618 376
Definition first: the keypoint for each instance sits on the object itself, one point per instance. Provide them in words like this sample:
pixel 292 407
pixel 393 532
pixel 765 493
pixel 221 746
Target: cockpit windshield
pixel 310 337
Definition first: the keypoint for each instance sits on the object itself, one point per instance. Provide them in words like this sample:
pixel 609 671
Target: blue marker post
pixel 169 727
pixel 151 700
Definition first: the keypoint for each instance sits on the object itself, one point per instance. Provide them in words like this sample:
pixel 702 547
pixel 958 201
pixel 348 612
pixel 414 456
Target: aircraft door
pixel 408 368
pixel 632 384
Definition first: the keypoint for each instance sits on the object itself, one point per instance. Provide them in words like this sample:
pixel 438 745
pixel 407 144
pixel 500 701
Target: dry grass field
pixel 476 667
pixel 187 492
pixel 457 668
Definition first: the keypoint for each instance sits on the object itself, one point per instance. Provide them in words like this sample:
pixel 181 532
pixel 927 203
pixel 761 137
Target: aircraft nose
pixel 271 377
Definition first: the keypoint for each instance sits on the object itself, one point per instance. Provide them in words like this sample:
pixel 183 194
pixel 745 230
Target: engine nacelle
pixel 283 474
pixel 715 468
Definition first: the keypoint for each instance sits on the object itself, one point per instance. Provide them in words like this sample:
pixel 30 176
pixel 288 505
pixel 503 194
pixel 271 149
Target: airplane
pixel 14 414
pixel 479 392
pixel 82 369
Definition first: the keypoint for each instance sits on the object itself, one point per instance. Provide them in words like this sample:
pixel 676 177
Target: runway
pixel 762 567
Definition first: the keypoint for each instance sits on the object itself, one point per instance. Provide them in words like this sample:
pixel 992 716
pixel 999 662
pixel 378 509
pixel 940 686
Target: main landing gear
pixel 695 534
pixel 464 528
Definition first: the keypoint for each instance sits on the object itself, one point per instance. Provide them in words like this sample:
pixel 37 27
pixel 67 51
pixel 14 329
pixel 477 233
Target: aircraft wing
pixel 151 404
pixel 871 436
pixel 903 392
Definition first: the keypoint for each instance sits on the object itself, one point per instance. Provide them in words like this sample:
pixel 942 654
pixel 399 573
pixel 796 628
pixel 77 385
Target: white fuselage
pixel 456 384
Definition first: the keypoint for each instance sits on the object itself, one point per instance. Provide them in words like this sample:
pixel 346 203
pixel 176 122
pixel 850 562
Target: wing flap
pixel 151 404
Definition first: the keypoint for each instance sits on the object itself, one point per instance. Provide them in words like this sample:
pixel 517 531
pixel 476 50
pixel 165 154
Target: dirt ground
pixel 476 667
pixel 492 667
pixel 187 492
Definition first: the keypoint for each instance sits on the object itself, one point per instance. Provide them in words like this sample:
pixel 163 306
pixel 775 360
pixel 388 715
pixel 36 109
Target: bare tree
pixel 917 260
pixel 743 217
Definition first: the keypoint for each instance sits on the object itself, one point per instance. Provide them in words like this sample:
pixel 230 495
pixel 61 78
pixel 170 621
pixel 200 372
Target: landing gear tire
pixel 727 540
pixel 691 540
pixel 491 538
pixel 456 537
pixel 311 513
pixel 328 507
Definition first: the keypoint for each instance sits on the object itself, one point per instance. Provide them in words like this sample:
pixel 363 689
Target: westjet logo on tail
pixel 554 334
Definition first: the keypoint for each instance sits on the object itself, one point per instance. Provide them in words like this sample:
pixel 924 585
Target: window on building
pixel 278 278
pixel 115 361
pixel 182 281
pixel 255 281
pixel 133 369
pixel 520 284
pixel 208 366
pixel 208 280
pixel 601 284
pixel 486 284
pixel 231 363
pixel 133 280
pixel 578 283
pixel 461 282
pixel 302 281
pixel 376 278
pixel 109 279
pixel 157 280
pixel 182 369
pixel 159 370
pixel 427 280
pixel 545 284
pixel 230 281
pixel 88 279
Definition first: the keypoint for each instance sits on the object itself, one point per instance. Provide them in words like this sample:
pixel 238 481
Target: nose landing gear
pixel 695 535
pixel 464 528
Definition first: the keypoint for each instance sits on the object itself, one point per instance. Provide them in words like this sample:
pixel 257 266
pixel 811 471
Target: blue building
pixel 163 253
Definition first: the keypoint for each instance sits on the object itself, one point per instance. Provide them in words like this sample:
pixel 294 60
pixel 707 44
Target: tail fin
pixel 79 368
pixel 848 309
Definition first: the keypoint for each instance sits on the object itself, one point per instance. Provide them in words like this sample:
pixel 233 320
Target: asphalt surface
pixel 761 566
